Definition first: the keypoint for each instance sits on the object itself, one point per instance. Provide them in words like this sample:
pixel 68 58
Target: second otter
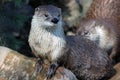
pixel 101 32
pixel 102 25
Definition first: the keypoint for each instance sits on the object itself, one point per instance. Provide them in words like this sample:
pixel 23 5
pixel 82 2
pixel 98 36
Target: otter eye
pixel 46 15
pixel 86 32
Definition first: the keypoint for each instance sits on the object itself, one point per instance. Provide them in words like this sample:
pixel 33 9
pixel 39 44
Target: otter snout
pixel 55 20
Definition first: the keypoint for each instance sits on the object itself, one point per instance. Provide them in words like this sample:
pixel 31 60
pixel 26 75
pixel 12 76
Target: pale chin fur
pixel 45 37
pixel 45 24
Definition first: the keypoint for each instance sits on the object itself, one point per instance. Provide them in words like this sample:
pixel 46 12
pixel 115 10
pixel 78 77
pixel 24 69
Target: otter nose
pixel 55 20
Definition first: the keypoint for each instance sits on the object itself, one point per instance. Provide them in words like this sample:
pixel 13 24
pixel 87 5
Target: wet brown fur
pixel 104 9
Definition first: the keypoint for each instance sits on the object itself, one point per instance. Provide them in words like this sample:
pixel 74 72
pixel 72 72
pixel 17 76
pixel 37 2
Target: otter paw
pixel 38 66
pixel 51 71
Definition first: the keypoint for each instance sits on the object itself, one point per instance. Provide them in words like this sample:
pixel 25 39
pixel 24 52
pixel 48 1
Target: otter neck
pixel 103 38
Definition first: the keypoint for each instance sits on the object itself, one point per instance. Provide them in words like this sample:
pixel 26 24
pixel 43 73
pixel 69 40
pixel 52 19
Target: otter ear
pixel 36 9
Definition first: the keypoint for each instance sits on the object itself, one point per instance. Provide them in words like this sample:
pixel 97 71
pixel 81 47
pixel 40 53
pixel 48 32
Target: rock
pixel 117 75
pixel 15 66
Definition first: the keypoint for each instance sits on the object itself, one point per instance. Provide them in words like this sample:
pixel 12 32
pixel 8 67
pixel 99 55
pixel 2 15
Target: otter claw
pixel 38 66
pixel 51 71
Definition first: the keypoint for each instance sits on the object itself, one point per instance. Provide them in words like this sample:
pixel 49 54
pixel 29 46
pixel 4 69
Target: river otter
pixel 47 41
pixel 102 25
pixel 101 32
pixel 86 60
pixel 46 37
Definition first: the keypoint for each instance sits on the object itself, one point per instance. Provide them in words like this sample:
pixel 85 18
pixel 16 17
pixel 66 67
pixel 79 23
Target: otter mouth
pixel 52 27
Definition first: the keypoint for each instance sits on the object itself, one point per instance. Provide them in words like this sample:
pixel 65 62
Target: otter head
pixel 47 16
pixel 92 30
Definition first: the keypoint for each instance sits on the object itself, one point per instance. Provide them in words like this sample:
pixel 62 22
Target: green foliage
pixel 2 41
pixel 10 41
pixel 17 2
pixel 13 16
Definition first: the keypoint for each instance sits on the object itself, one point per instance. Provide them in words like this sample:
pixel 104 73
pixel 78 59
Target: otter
pixel 101 25
pixel 101 32
pixel 46 37
pixel 87 60
pixel 47 41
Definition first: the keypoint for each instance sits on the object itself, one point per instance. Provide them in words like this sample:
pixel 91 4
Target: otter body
pixel 103 16
pixel 86 60
pixel 82 56
pixel 46 37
